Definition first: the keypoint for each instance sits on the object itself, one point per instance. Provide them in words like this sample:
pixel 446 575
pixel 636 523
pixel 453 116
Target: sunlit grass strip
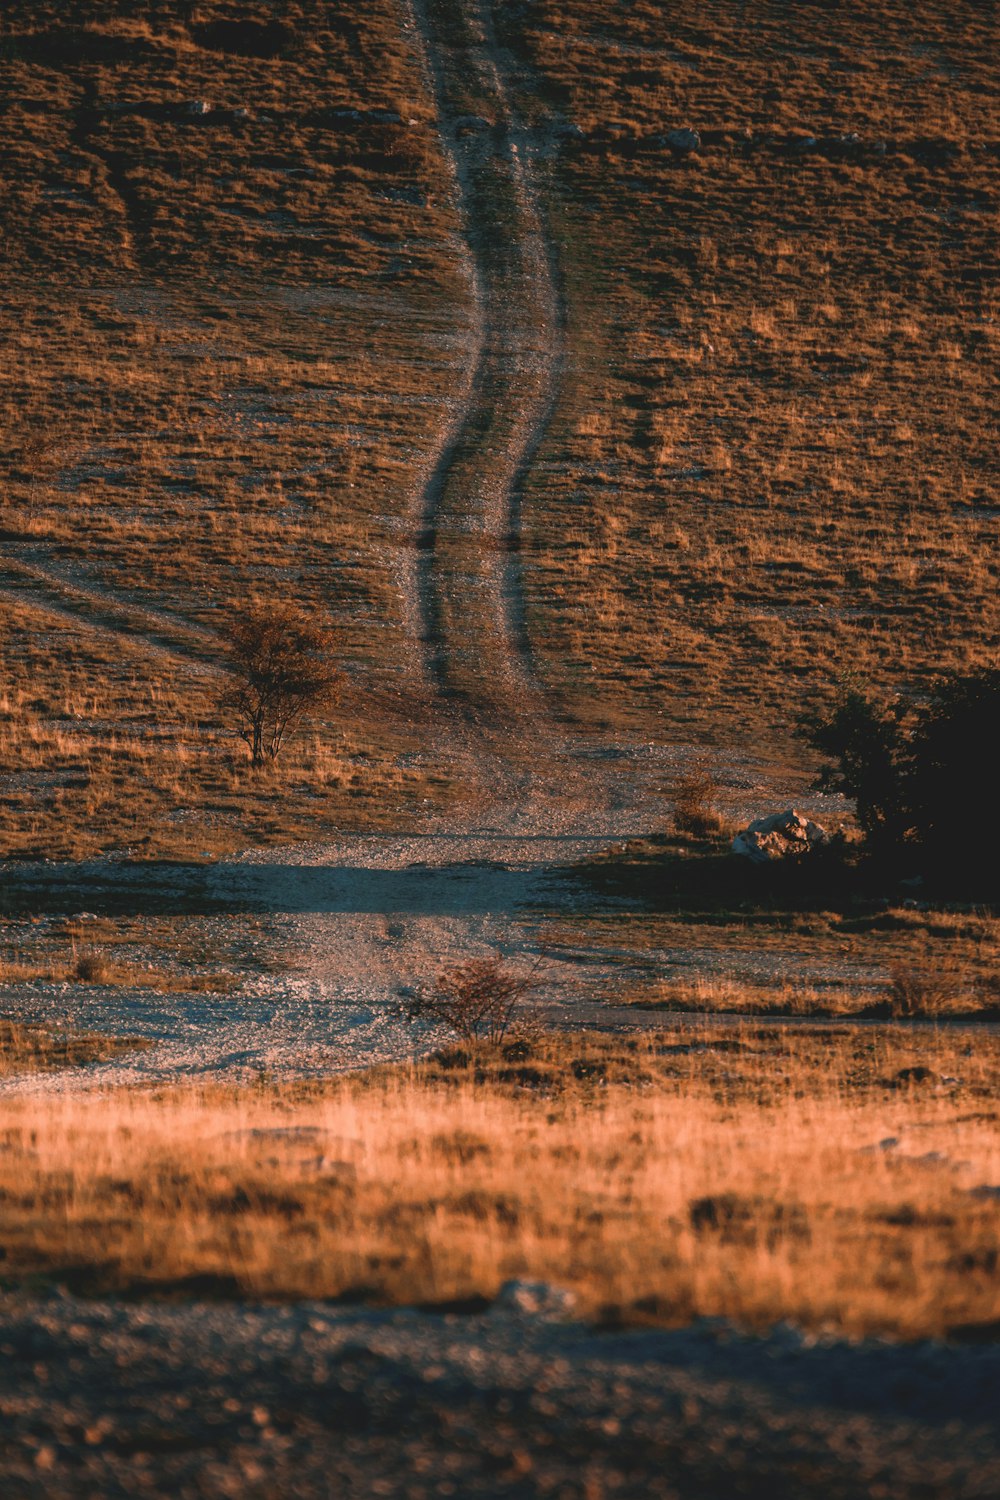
pixel 652 1196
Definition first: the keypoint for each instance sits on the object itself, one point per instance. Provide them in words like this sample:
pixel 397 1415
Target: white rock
pixel 534 1299
pixel 783 835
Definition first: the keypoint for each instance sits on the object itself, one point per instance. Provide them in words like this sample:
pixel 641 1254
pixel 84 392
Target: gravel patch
pixel 206 1399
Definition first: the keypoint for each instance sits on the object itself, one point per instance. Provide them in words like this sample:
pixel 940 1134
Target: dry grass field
pixel 753 1175
pixel 774 455
pixel 236 313
pixel 229 340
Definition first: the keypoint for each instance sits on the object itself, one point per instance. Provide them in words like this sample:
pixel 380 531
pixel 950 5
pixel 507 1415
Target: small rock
pixel 887 1143
pixel 783 835
pixel 534 1299
pixel 684 140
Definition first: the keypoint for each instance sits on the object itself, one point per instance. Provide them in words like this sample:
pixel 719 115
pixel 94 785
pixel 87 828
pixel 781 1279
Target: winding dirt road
pixel 467 588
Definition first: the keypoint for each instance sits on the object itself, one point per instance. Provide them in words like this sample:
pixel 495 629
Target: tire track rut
pixel 467 578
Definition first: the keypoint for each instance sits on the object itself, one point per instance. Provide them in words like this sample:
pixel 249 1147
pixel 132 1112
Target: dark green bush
pixel 923 777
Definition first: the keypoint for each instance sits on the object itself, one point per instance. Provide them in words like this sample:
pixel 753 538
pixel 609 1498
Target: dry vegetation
pixel 229 340
pixel 813 940
pixel 34 1049
pixel 774 458
pixel 229 337
pixel 660 1177
pixel 168 954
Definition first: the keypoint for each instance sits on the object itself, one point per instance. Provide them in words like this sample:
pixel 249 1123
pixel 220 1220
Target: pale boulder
pixel 784 835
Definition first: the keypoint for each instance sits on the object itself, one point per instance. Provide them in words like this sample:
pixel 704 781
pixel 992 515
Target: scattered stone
pixel 783 835
pixel 534 1299
pixel 683 141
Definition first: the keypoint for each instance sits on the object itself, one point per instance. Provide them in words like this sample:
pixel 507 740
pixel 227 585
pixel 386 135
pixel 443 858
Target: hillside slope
pixel 587 362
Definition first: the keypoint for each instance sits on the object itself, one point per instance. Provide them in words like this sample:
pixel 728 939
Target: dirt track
pixel 467 579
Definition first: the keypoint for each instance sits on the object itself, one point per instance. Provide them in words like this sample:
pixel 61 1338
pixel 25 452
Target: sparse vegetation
pixel 764 405
pixel 694 795
pixel 660 1177
pixel 32 1049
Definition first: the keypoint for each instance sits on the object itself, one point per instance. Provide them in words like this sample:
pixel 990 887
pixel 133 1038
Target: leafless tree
pixel 478 1000
pixel 281 659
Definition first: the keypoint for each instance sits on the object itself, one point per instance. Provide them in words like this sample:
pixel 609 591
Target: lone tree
pixel 283 670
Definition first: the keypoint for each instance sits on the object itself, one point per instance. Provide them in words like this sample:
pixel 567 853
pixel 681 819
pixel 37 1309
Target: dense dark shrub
pixel 954 775
pixel 923 778
pixel 867 739
pixel 244 38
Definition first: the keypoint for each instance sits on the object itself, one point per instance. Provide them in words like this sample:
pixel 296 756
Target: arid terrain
pixel 617 381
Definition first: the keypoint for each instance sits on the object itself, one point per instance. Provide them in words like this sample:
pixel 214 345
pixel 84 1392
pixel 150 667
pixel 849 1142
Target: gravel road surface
pixel 197 1400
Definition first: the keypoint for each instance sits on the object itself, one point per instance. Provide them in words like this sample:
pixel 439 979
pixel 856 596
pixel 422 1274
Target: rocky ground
pixel 203 1399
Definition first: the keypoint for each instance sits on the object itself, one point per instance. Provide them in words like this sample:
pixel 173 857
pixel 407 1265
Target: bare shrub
pixel 916 990
pixel 281 660
pixel 480 1000
pixel 693 794
pixel 93 967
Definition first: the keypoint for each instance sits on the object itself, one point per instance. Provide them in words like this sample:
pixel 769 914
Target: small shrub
pixel 282 669
pixel 920 991
pixel 94 968
pixel 693 794
pixel 479 1001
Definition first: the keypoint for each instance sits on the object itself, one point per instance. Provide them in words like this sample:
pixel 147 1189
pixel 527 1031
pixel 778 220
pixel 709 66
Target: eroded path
pixel 467 580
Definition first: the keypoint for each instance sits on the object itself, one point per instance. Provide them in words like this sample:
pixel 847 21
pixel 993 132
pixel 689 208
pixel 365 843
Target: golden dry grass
pixel 229 342
pixel 660 1178
pixel 33 1049
pixel 774 457
pixel 228 347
